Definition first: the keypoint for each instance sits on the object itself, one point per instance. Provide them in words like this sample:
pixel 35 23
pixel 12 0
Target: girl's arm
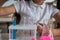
pixel 7 10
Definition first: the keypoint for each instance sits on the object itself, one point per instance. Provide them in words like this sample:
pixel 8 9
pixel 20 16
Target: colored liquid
pixel 46 38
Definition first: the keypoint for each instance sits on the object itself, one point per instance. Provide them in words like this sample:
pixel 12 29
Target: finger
pixel 39 29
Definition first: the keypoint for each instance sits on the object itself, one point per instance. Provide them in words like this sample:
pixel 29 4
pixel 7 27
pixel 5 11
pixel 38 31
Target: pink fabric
pixel 33 39
pixel 46 38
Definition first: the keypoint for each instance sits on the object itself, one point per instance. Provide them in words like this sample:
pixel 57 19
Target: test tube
pixel 50 26
pixel 45 26
pixel 14 31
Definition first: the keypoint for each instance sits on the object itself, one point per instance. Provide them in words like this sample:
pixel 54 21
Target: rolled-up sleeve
pixel 17 6
pixel 54 10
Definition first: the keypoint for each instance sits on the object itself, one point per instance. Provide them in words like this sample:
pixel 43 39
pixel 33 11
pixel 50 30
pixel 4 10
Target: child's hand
pixel 40 29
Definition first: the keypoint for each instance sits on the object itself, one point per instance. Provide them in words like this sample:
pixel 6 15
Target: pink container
pixel 46 38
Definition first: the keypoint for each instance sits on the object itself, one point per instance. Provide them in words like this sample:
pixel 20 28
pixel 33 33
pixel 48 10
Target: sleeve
pixel 54 10
pixel 17 6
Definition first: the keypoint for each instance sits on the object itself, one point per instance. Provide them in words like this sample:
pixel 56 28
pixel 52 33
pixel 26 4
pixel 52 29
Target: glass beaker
pixel 47 31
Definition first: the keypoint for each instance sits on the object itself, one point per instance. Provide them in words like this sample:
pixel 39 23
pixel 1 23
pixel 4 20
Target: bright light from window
pixel 49 0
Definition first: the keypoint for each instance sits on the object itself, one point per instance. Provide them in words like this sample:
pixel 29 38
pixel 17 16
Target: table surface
pixel 6 19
